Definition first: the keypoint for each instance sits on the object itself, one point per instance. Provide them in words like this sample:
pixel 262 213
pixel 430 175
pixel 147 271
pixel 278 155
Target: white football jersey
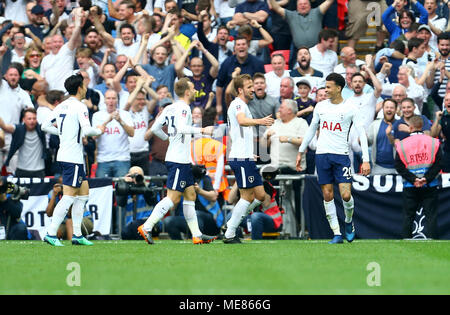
pixel 113 144
pixel 335 121
pixel 140 122
pixel 71 117
pixel 241 137
pixel 178 119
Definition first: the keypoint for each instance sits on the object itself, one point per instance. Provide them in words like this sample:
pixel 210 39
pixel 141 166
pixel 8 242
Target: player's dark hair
pixel 72 83
pixel 337 79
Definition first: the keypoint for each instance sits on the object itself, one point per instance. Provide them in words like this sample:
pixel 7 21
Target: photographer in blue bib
pixel 11 226
pixel 138 199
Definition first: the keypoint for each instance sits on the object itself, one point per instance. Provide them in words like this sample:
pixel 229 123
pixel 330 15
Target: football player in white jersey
pixel 70 121
pixel 241 158
pixel 180 181
pixel 334 117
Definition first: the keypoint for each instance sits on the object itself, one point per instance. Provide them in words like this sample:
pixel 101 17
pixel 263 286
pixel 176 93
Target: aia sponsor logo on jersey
pixel 140 125
pixel 112 131
pixel 332 126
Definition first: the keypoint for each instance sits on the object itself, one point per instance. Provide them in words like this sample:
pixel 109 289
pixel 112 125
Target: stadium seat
pixel 285 53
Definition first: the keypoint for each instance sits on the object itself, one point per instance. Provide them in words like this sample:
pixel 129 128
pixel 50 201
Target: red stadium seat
pixel 285 53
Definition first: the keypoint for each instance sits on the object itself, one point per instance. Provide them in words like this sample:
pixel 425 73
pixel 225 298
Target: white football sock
pixel 77 213
pixel 59 214
pixel 238 213
pixel 330 210
pixel 348 209
pixel 159 211
pixel 191 218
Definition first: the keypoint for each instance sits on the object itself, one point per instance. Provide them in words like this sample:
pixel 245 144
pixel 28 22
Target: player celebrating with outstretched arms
pixel 72 123
pixel 334 117
pixel 241 158
pixel 180 181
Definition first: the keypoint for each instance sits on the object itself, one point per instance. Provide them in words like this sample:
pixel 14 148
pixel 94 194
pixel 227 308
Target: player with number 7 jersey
pixel 72 120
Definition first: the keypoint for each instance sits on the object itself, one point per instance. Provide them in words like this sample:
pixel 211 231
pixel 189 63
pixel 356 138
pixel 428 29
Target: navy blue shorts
pixel 333 168
pixel 73 174
pixel 179 176
pixel 246 173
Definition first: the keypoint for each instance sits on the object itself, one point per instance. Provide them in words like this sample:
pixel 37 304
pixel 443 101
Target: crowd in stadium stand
pixel 131 52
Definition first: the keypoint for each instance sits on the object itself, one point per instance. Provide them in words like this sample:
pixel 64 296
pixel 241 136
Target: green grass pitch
pixel 269 267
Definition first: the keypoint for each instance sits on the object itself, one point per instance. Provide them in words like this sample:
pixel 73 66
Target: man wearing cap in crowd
pixel 424 32
pixel 37 26
pixel 305 104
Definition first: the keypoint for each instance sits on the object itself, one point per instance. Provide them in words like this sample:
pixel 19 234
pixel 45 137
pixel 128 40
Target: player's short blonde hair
pixel 238 82
pixel 182 86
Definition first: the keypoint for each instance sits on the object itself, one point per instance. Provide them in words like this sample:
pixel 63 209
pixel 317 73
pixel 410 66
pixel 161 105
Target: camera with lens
pixel 198 171
pixel 17 192
pixel 136 187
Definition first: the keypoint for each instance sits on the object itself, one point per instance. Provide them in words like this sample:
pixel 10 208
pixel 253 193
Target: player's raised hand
pixel 365 168
pixel 298 165
pixel 267 121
